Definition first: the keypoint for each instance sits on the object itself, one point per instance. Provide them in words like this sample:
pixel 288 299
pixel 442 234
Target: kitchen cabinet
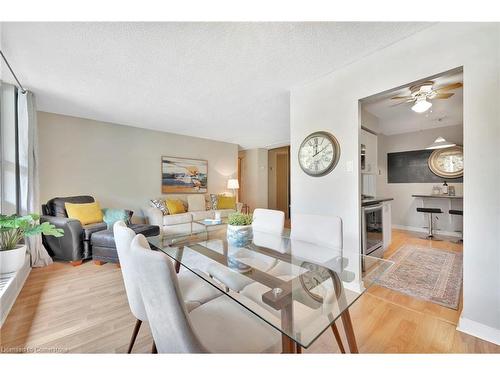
pixel 387 224
pixel 370 143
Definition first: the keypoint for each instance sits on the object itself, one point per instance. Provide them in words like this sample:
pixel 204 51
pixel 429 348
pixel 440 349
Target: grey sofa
pixel 75 245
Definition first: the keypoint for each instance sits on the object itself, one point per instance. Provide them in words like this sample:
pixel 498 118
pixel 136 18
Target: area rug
pixel 430 274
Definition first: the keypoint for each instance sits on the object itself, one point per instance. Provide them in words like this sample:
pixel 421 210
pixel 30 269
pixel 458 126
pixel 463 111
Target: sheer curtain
pixel 29 199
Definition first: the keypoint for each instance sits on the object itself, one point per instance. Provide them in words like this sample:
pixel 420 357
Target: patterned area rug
pixel 430 274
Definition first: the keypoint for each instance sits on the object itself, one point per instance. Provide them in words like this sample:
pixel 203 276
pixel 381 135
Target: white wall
pixel 254 178
pixel 119 165
pixel 404 207
pixel 331 103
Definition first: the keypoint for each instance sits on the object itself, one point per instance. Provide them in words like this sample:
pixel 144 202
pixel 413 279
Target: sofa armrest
pixel 154 216
pixel 69 246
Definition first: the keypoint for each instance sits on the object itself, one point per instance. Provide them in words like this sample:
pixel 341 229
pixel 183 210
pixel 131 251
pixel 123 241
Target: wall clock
pixel 313 279
pixel 447 162
pixel 319 153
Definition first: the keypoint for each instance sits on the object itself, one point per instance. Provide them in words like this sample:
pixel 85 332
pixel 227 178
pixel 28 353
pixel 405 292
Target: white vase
pixel 239 235
pixel 12 260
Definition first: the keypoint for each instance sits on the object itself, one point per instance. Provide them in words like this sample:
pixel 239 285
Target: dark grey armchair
pixel 75 245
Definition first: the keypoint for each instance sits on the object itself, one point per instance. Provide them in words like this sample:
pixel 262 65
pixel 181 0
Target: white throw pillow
pixel 196 202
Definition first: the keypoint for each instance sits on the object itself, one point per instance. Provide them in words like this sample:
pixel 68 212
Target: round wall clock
pixel 312 279
pixel 447 162
pixel 319 153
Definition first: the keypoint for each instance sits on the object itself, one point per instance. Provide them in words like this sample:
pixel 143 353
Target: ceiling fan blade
pixel 443 95
pixel 402 97
pixel 451 86
pixel 403 102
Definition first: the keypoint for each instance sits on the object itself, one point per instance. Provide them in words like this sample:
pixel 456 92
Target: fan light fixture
pixel 440 142
pixel 421 106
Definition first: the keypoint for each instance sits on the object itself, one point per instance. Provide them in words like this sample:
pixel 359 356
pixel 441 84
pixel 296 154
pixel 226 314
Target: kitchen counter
pixel 437 196
pixel 372 201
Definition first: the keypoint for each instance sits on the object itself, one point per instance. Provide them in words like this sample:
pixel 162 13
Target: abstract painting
pixel 180 175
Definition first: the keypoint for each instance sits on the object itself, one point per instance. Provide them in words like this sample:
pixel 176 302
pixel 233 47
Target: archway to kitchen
pixel 411 176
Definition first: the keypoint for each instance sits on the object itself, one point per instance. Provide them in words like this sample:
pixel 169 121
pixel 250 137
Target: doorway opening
pixel 411 177
pixel 279 180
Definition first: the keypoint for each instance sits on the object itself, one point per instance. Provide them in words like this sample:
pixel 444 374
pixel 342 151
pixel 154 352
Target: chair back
pixel 123 239
pixel 317 229
pixel 269 221
pixel 167 314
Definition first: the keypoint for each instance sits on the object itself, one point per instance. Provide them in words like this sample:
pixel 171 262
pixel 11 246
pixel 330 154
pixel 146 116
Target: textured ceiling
pixel 223 81
pixel 396 119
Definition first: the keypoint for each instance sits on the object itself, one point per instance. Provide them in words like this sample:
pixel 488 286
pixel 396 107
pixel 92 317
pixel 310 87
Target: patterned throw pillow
pixel 159 204
pixel 213 201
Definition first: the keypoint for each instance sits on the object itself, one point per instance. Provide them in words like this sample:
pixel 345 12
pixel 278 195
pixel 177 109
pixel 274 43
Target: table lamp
pixel 233 184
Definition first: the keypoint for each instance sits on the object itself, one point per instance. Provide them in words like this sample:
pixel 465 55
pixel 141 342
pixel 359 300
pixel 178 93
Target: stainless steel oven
pixel 372 226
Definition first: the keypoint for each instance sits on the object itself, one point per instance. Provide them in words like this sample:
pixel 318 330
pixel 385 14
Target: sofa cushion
pixel 177 219
pixel 196 202
pixel 226 212
pixel 56 205
pixel 89 229
pixel 201 215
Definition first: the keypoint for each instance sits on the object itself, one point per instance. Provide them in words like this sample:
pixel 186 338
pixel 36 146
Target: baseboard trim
pixel 479 330
pixel 424 230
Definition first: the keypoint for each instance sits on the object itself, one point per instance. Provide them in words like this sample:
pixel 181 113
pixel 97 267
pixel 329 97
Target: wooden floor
pixel 84 310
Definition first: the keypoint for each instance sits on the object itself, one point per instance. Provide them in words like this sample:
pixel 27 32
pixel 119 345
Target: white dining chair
pixel 194 291
pixel 317 229
pixel 220 325
pixel 268 221
pixel 312 236
pixel 267 228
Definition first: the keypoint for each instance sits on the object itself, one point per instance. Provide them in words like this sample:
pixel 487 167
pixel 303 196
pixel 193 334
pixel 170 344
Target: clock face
pixel 313 278
pixel 319 154
pixel 447 162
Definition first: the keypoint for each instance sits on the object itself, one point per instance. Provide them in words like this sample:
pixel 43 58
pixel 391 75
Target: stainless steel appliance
pixel 372 226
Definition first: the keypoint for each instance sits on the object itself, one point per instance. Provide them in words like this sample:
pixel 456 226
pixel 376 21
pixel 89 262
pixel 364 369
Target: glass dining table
pixel 298 288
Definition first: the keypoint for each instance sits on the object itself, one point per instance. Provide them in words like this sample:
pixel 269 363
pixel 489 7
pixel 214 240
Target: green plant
pixel 239 219
pixel 14 228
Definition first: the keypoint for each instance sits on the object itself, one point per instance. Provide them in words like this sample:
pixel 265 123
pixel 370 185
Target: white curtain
pixel 28 170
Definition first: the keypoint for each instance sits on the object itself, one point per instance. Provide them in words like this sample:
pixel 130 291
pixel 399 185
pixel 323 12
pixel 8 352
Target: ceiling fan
pixel 422 92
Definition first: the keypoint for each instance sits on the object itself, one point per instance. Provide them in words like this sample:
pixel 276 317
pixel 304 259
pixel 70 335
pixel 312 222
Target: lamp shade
pixel 233 184
pixel 440 142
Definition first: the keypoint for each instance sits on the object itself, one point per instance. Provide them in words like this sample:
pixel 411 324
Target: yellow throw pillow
pixel 226 202
pixel 87 213
pixel 175 206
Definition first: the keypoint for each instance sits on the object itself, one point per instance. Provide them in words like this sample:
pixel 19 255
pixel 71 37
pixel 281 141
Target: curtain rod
pixel 12 72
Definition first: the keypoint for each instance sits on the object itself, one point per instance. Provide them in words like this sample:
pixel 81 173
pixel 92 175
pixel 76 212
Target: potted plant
pixel 13 229
pixel 239 229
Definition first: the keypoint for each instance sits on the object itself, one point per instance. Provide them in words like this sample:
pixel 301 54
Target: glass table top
pixel 297 287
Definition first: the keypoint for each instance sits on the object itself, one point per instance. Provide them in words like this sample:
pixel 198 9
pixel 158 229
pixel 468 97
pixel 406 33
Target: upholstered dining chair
pixel 194 291
pixel 220 325
pixel 269 221
pixel 267 228
pixel 324 232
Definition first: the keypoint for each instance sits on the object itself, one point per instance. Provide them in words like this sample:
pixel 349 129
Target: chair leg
pixel 298 349
pixel 134 335
pixel 337 338
pixel 153 348
pixel 76 263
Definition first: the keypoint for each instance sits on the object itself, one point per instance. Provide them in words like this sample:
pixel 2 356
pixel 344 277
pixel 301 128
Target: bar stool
pixel 430 211
pixel 458 213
